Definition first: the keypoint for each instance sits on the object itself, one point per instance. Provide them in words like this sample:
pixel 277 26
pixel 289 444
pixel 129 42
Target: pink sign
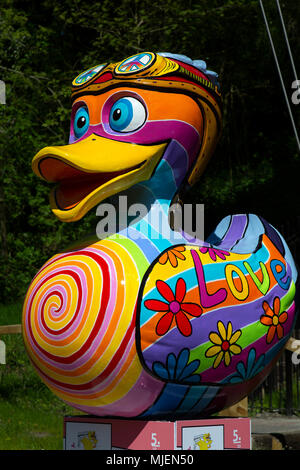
pixel 204 434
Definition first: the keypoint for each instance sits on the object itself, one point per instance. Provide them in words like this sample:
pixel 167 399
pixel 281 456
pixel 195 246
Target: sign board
pixel 2 93
pixel 95 433
pixel 2 352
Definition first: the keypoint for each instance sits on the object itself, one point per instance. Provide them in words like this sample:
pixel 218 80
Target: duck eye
pixel 81 121
pixel 127 115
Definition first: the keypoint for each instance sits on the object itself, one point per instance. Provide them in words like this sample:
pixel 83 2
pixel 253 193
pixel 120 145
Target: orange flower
pixel 273 319
pixel 172 255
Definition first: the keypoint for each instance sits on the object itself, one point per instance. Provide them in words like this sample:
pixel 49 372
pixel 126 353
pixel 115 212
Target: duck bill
pixel 89 171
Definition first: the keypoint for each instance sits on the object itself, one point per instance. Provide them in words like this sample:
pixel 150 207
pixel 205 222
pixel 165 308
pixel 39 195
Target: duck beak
pixel 89 171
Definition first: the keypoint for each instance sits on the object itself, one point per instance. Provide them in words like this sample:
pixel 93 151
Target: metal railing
pixel 280 392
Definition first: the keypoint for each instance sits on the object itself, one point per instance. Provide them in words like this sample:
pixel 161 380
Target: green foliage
pixel 45 44
pixel 31 416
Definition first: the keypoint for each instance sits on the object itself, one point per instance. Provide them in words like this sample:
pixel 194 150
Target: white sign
pixel 2 92
pixel 203 438
pixel 2 352
pixel 88 436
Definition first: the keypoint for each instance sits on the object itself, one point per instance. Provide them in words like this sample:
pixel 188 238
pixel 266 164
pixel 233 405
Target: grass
pixel 11 314
pixel 31 416
pixel 24 426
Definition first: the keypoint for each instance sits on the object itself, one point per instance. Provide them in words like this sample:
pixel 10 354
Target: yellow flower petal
pixel 222 330
pixel 215 338
pixel 227 358
pixel 235 337
pixel 229 331
pixel 212 351
pixel 235 349
pixel 218 359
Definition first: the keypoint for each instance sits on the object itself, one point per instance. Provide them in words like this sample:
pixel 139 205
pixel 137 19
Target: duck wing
pixel 218 314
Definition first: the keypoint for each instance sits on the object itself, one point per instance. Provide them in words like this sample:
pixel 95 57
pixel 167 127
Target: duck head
pixel 148 120
pixel 128 119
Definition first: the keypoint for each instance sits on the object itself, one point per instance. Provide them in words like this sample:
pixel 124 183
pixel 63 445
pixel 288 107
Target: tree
pixel 44 45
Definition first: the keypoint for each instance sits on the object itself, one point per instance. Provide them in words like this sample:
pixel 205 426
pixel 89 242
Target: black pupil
pixel 117 114
pixel 81 121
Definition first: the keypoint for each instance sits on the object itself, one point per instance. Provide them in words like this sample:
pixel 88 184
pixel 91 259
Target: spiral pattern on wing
pixel 79 324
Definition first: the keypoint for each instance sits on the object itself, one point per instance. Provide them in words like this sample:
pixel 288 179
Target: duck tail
pixel 242 233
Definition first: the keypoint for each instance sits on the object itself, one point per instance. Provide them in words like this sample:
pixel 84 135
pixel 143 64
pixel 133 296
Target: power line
pixel 279 71
pixel 287 40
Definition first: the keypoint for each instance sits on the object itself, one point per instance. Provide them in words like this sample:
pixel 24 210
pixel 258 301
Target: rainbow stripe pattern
pixel 79 328
pixel 218 308
pixel 212 322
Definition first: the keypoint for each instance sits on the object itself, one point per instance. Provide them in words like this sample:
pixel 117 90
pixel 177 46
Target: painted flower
pixel 250 369
pixel 172 255
pixel 174 307
pixel 273 319
pixel 214 253
pixel 224 344
pixel 178 368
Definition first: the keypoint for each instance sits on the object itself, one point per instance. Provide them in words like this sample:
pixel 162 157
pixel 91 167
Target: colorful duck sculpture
pixel 148 322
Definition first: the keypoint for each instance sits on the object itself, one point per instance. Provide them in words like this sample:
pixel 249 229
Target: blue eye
pixel 81 121
pixel 127 115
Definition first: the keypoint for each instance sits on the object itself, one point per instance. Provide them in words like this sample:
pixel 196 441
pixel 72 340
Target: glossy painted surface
pixel 145 323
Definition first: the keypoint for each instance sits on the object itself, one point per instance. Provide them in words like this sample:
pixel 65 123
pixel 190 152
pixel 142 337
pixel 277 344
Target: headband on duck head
pixel 166 72
pixel 155 70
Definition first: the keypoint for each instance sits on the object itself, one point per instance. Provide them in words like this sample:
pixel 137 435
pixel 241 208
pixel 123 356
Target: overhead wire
pixel 278 66
pixel 287 42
